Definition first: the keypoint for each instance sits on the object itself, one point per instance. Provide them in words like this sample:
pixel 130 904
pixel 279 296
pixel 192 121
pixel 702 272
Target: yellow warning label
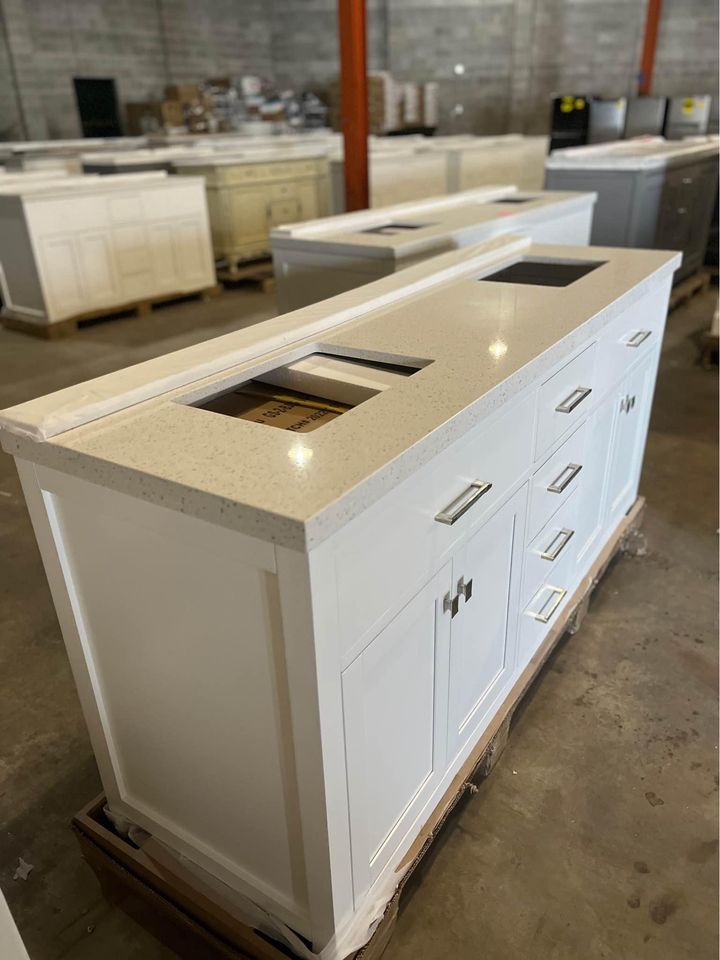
pixel 688 105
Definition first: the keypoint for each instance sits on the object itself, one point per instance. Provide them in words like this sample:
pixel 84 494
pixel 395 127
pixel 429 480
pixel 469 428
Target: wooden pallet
pixel 697 282
pixel 198 928
pixel 70 325
pixel 258 272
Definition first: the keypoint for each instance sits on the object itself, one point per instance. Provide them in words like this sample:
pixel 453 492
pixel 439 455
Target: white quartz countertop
pixel 431 221
pixel 134 431
pixel 638 154
pixel 92 183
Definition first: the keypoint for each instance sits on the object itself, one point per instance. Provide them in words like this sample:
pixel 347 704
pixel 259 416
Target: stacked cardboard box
pixel 391 105
pixel 153 115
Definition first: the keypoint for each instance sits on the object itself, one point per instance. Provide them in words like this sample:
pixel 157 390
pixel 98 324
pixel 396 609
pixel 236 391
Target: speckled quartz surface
pixel 438 223
pixel 296 490
pixel 638 154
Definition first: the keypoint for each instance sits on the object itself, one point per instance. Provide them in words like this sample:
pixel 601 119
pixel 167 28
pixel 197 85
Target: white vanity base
pixel 284 702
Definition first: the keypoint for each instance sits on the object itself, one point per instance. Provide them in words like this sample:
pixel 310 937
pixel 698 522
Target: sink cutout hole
pixel 543 272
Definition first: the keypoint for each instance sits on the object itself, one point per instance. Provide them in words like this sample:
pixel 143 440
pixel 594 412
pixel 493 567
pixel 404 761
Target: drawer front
pixel 556 480
pixel 552 549
pixel 69 213
pixel 387 552
pixel 542 611
pixel 565 399
pixel 633 335
pixel 124 208
pixel 177 200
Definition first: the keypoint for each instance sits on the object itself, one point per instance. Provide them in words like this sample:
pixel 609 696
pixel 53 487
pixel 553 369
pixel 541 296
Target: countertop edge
pixel 306 534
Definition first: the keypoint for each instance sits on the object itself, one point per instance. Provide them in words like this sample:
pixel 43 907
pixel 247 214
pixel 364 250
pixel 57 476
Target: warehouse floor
pixel 596 835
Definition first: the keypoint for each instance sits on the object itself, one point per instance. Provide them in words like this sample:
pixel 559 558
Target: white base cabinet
pixel 319 259
pixel 287 719
pixel 85 246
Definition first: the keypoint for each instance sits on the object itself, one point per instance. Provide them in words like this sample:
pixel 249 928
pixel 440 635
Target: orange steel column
pixel 652 23
pixel 354 101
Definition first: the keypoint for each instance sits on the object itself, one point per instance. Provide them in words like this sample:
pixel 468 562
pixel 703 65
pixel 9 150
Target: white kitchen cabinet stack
pixel 76 246
pixel 318 259
pixel 287 642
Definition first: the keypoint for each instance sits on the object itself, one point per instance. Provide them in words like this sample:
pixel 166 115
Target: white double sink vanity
pixel 298 567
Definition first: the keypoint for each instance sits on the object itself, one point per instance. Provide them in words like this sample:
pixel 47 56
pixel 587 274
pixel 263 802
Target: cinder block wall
pixel 515 53
pixel 143 44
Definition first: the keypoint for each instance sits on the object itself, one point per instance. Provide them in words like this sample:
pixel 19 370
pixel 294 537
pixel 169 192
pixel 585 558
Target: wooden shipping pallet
pixel 697 282
pixel 258 272
pixel 70 325
pixel 200 929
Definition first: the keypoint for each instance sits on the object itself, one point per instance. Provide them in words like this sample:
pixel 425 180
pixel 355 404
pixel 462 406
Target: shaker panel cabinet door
pixel 97 269
pixel 394 715
pixel 630 425
pixel 249 214
pixel 190 253
pixel 486 580
pixel 60 272
pixel 160 236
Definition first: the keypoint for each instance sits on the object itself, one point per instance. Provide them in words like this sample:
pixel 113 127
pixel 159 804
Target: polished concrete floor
pixel 595 836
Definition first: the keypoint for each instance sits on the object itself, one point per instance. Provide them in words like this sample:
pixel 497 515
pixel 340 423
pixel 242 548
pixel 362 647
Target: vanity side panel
pixel 174 634
pixel 20 281
pixel 304 276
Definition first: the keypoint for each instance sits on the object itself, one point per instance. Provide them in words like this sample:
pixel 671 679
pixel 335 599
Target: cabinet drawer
pixel 552 549
pixel 387 552
pixel 564 399
pixel 630 337
pixel 555 481
pixel 545 606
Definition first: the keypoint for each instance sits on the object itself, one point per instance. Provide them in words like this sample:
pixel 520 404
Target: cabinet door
pixel 97 269
pixel 249 216
pixel 160 236
pixel 190 253
pixel 394 710
pixel 591 509
pixel 486 575
pixel 632 411
pixel 61 279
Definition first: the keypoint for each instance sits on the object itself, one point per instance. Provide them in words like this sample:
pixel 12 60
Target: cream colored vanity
pixel 299 567
pixel 78 245
pixel 481 161
pixel 318 259
pixel 398 173
pixel 250 193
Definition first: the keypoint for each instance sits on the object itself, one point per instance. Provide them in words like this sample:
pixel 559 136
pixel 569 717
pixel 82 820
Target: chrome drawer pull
pixel 574 400
pixel 560 483
pixel 638 338
pixel 558 544
pixel 559 595
pixel 465 589
pixel 460 505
